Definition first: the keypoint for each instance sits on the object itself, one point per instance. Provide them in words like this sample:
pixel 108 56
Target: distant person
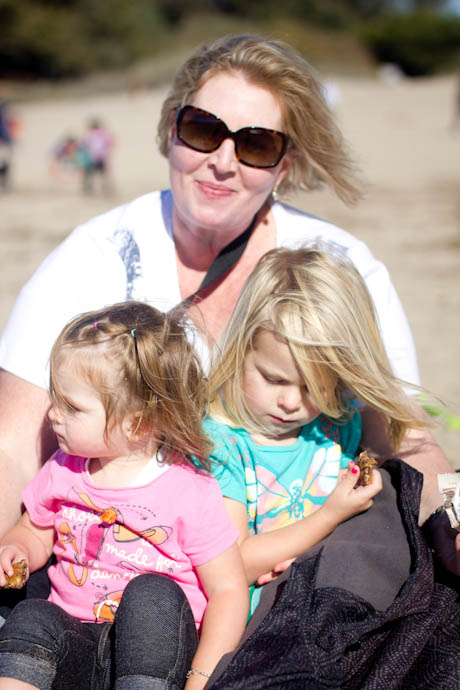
pixel 455 124
pixel 391 74
pixel 6 145
pixel 66 158
pixel 332 94
pixel 96 147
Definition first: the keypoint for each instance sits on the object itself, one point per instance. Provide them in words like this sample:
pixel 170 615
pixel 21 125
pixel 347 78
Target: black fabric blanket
pixel 360 611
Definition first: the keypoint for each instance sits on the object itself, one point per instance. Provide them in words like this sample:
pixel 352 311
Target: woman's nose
pixel 224 158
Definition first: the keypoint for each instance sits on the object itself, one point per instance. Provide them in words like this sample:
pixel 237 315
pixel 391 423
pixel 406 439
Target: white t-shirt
pixel 128 253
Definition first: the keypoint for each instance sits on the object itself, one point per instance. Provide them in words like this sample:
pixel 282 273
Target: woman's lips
pixel 215 191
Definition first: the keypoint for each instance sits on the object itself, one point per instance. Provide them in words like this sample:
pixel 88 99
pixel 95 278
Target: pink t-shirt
pixel 105 537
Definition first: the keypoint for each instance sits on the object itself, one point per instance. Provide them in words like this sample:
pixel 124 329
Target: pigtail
pixel 175 389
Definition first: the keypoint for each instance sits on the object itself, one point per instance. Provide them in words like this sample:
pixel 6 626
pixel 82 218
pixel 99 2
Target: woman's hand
pixel 445 540
pixel 9 554
pixel 348 498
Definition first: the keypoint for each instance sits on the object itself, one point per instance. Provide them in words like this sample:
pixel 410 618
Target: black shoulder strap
pixel 226 259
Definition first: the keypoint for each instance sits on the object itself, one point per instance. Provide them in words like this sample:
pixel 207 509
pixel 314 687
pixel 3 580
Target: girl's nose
pixel 224 158
pixel 290 399
pixel 54 415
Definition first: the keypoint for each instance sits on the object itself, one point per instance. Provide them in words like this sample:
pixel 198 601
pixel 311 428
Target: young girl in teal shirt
pixel 300 355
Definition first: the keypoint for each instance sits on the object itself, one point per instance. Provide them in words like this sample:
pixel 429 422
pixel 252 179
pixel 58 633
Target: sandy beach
pixel 402 139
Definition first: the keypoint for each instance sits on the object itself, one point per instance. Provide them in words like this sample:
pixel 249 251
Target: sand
pixel 402 139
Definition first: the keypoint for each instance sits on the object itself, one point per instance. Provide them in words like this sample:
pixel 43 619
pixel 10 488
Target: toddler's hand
pixel 347 499
pixel 9 554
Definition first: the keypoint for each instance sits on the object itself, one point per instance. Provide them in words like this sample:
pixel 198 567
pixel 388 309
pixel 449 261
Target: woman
pixel 245 121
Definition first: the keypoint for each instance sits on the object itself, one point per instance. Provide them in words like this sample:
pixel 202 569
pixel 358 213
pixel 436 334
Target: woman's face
pixel 214 191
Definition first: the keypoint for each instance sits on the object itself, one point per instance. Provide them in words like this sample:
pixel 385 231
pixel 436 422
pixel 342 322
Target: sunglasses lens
pixel 260 148
pixel 255 146
pixel 200 130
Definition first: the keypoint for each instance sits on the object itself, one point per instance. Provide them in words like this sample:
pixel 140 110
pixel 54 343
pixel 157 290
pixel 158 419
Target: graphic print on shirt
pixel 272 505
pixel 129 252
pixel 106 607
pixel 88 536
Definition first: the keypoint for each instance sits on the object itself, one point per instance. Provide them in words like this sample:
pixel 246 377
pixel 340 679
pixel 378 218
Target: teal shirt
pixel 281 484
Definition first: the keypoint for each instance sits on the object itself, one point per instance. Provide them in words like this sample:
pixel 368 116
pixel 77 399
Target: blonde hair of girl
pixel 141 363
pixel 314 300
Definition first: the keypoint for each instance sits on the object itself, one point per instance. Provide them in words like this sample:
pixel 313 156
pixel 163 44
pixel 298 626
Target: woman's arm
pixel 25 541
pixel 262 552
pixel 26 441
pixel 224 621
pixel 420 450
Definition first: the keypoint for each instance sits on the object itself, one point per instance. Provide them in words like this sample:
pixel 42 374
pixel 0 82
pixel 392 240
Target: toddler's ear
pixel 132 426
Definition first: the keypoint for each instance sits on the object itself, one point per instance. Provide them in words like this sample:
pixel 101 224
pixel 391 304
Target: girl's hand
pixel 273 574
pixel 9 554
pixel 347 499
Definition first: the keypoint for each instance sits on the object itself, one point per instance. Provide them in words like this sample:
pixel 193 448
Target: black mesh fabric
pixel 337 620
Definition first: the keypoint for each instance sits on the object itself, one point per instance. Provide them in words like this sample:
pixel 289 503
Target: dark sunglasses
pixel 254 146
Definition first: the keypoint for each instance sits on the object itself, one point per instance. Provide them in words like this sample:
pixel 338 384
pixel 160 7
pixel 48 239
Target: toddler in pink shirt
pixel 142 542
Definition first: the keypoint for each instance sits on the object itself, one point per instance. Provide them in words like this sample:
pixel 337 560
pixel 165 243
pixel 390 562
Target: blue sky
pixel 451 6
pixel 454 6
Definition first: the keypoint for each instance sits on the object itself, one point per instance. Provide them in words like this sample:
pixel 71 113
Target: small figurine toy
pixel 17 579
pixel 366 465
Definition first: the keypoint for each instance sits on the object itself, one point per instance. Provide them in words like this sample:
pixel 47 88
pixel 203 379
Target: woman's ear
pixel 288 160
pixel 171 135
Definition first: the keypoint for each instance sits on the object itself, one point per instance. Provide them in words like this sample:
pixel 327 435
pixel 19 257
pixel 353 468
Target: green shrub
pixel 420 44
pixel 55 39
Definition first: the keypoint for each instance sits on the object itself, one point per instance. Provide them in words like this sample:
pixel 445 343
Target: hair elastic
pixel 133 332
pixel 95 324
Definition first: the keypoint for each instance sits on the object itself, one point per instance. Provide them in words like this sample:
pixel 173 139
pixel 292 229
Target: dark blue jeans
pixel 149 646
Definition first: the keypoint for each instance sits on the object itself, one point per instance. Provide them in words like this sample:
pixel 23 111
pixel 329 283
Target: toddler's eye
pixel 71 408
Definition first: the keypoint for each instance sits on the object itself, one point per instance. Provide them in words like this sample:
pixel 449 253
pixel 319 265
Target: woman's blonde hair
pixel 141 363
pixel 316 301
pixel 320 155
